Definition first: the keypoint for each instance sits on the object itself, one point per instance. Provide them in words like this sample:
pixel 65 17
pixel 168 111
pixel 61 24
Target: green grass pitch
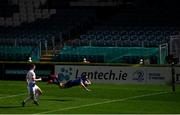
pixel 103 99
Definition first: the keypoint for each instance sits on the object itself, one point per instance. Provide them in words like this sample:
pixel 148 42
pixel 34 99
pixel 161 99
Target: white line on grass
pixel 9 96
pixel 100 103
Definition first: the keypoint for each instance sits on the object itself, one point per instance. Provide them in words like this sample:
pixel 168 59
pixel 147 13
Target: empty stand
pixel 42 24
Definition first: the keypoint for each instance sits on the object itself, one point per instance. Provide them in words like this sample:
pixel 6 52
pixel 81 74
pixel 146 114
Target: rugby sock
pixel 27 99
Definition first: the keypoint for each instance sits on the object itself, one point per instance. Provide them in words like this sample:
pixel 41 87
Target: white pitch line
pixel 110 101
pixel 11 96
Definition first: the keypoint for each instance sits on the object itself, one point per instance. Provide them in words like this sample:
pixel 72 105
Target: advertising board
pixel 115 74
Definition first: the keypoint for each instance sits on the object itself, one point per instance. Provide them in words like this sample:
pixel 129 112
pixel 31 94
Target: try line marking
pixel 100 103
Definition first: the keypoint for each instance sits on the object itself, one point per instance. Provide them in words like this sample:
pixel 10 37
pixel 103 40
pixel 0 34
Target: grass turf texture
pixel 103 99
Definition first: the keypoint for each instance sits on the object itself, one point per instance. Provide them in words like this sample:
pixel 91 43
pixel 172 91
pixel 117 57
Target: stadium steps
pixel 47 56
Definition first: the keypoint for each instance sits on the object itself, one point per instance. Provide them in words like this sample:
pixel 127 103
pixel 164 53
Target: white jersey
pixel 30 77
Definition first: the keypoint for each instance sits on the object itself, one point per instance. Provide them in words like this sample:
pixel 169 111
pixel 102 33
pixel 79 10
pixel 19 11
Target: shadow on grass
pixel 15 106
pixel 63 100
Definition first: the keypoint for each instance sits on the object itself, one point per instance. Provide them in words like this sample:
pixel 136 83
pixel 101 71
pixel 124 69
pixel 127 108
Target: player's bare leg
pixel 38 94
pixel 30 97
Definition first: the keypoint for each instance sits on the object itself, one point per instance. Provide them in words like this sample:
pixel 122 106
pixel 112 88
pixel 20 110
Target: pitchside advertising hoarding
pixel 18 71
pixel 114 74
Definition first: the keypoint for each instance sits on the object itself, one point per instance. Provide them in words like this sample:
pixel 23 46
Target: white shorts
pixel 33 89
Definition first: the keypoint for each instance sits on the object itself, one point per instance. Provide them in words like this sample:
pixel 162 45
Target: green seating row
pixel 18 53
pixel 111 54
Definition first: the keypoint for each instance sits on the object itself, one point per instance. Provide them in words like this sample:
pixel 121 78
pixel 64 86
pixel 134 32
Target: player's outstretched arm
pixel 38 79
pixel 84 87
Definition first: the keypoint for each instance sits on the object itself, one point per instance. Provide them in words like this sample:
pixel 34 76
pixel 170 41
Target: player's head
pixel 32 67
pixel 87 83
